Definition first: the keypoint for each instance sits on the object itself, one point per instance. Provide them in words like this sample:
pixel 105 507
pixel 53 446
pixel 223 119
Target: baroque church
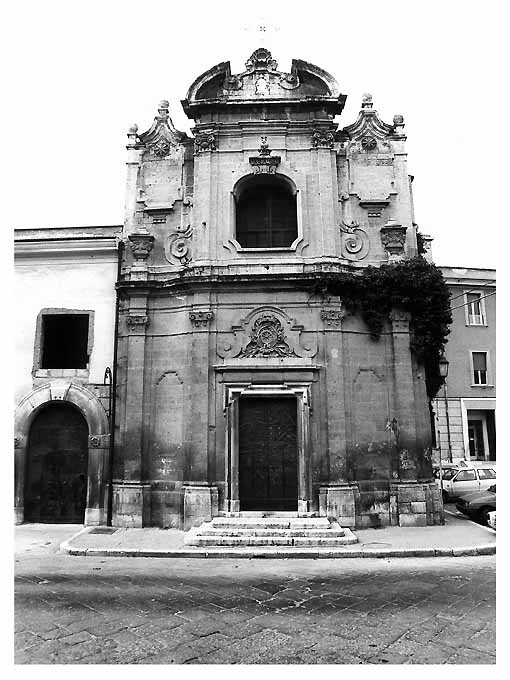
pixel 234 386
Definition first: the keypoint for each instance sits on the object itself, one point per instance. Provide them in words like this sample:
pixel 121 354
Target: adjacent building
pixel 466 421
pixel 64 340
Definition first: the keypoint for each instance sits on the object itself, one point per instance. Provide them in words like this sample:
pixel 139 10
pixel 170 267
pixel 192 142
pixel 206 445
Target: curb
pixel 65 547
pixel 292 553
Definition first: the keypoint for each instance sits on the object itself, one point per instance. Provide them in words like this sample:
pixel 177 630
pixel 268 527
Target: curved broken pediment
pixel 263 81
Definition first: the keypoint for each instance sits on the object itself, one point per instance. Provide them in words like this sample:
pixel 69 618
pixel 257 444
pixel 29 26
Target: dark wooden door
pixel 268 454
pixel 56 475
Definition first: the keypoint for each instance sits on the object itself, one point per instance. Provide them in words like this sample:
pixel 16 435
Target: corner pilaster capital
pixel 399 320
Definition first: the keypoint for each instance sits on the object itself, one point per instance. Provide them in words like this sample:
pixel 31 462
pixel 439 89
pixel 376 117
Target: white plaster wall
pixel 79 282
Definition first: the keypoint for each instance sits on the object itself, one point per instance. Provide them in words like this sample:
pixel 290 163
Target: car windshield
pixel 448 474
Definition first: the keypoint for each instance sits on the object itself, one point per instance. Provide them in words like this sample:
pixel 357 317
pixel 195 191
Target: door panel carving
pixel 268 477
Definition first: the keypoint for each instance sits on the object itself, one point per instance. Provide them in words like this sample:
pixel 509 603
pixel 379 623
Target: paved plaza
pixel 81 610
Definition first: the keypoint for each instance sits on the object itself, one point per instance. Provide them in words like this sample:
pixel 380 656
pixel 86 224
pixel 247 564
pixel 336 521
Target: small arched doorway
pixel 56 469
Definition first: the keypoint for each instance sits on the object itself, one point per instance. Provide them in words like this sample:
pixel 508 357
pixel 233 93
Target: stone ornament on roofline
pixel 261 59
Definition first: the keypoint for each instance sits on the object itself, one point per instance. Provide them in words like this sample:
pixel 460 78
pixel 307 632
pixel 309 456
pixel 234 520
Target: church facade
pixel 238 387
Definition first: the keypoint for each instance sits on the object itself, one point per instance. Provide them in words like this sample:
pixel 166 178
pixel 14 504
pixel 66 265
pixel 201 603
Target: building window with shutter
pixel 480 368
pixel 475 309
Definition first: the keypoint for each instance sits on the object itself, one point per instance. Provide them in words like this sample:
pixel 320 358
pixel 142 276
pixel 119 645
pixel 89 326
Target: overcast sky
pixel 82 72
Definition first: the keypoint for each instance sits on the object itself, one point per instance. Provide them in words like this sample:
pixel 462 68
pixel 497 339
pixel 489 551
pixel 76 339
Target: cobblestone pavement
pixel 217 611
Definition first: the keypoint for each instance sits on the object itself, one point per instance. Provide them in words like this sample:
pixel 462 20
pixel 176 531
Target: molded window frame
pixel 236 192
pixel 467 306
pixel 38 371
pixel 487 369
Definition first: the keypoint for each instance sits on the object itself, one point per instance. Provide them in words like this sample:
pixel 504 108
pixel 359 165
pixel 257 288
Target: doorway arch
pixel 98 443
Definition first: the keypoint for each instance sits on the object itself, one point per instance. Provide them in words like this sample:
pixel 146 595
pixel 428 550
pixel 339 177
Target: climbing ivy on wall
pixel 414 285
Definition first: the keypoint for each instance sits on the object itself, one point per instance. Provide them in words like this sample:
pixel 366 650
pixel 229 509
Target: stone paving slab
pixel 177 611
pixel 458 537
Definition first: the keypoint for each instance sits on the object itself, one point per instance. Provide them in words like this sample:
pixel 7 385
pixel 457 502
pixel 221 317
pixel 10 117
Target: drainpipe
pixel 113 388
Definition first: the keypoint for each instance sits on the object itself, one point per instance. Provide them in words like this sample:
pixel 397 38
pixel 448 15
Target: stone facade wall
pixel 191 298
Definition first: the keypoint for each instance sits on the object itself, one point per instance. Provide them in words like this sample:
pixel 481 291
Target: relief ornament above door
pixel 267 332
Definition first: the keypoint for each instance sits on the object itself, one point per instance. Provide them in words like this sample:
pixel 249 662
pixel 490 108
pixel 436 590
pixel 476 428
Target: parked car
pixel 457 482
pixel 478 504
pixel 492 520
pixel 436 469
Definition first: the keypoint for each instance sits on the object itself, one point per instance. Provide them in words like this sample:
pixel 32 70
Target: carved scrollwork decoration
pixel 289 81
pixel 393 238
pixel 322 138
pixel 161 148
pixel 264 162
pixel 141 243
pixel 368 143
pixel 267 339
pixel 178 247
pixel 201 318
pixel 232 82
pixel 205 141
pixel 355 243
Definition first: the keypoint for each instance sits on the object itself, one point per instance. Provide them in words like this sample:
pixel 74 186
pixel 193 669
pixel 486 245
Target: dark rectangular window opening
pixel 65 340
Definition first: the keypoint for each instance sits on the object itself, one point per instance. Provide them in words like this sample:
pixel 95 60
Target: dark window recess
pixel 65 339
pixel 266 216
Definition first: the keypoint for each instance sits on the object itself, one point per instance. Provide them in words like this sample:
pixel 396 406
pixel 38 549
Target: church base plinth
pixel 339 501
pixel 415 504
pixel 131 505
pixel 200 504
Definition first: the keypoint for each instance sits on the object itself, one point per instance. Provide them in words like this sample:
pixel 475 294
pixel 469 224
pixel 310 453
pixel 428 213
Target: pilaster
pixel 197 436
pixel 331 317
pixel 403 423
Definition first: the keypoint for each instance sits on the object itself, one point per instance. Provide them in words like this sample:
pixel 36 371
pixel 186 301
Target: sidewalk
pixel 459 536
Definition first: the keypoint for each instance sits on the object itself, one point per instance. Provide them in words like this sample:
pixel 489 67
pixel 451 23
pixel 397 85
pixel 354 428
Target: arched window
pixel 266 215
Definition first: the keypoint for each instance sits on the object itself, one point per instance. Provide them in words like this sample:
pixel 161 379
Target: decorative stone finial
pixel 261 59
pixel 366 101
pixel 133 129
pixel 264 149
pixel 163 108
pixel 398 119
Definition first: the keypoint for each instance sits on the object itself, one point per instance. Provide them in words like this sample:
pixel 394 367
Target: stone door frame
pixel 233 393
pixel 98 444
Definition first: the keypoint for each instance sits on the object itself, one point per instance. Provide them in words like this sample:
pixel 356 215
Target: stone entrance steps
pixel 273 530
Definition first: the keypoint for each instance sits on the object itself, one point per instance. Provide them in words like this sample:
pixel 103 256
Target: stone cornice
pixel 62 247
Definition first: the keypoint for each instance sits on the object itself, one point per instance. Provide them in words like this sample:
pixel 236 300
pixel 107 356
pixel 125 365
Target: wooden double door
pixel 268 468
pixel 56 474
